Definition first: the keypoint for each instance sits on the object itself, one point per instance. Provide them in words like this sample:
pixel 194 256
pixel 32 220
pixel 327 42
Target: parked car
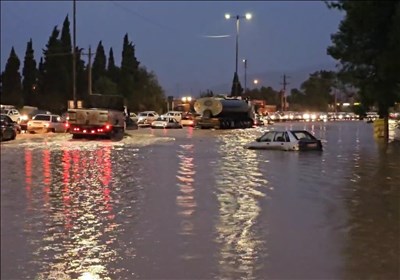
pixel 8 130
pixel 47 123
pixel 168 122
pixel 146 118
pixel 12 113
pixel 188 120
pixel 133 117
pixel 25 118
pixel 287 140
pixel 173 114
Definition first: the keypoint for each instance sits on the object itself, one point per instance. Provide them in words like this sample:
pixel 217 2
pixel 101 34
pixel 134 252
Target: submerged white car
pixel 287 140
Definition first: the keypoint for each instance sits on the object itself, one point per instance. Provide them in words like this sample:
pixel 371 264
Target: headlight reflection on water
pixel 186 200
pixel 239 191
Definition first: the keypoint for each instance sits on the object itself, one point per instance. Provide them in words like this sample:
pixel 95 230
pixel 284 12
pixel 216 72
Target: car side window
pixel 279 137
pixel 267 137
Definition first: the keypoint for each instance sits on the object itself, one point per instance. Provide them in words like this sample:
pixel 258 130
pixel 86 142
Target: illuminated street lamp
pixel 247 16
pixel 255 82
pixel 186 99
pixel 245 74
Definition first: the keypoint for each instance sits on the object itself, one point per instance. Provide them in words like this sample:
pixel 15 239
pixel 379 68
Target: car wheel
pixel 14 136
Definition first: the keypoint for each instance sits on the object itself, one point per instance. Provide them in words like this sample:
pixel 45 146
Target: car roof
pixel 287 130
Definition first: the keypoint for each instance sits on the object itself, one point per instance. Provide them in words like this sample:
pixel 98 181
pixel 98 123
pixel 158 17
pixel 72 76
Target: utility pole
pixel 74 56
pixel 283 96
pixel 335 89
pixel 89 54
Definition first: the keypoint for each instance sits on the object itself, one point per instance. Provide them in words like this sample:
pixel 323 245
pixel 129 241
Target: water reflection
pixel 186 200
pixel 28 178
pixel 372 201
pixel 239 191
pixel 78 228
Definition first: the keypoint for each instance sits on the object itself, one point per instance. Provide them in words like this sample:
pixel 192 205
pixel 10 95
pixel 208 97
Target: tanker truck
pixel 224 113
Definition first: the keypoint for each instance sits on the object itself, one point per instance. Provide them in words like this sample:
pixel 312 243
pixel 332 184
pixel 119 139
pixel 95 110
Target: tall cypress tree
pixel 128 72
pixel 30 74
pixel 54 74
pixel 129 63
pixel 81 76
pixel 40 82
pixel 66 58
pixel 99 63
pixel 112 69
pixel 11 81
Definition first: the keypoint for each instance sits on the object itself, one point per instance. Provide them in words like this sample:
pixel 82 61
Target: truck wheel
pixel 76 136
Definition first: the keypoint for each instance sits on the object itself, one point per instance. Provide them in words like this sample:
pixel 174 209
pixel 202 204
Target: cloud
pixel 215 36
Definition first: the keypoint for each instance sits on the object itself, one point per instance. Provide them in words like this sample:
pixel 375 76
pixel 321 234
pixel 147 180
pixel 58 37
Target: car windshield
pixel 42 118
pixel 303 135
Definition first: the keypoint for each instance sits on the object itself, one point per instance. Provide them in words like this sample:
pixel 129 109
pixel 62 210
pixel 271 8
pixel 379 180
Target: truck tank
pixel 223 113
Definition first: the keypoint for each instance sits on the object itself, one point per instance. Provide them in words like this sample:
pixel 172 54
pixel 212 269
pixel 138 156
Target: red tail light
pixel 108 127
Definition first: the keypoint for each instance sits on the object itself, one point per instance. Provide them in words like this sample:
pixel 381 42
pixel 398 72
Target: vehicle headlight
pixel 313 116
pixel 24 118
pixel 306 116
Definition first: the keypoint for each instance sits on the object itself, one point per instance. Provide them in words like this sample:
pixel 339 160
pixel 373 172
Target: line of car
pixel 171 119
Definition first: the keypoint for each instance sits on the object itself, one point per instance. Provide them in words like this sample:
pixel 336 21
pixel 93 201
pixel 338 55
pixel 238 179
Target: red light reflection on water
pixel 189 132
pixel 107 170
pixel 66 190
pixel 77 168
pixel 46 175
pixel 28 177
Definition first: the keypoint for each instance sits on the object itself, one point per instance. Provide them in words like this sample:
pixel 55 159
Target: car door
pixel 265 141
pixel 56 124
pixel 280 141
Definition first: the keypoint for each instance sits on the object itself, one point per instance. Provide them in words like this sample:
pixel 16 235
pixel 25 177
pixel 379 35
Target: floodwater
pixel 193 204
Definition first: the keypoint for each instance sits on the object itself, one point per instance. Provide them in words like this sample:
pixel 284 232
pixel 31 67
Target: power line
pixel 126 9
pixel 163 26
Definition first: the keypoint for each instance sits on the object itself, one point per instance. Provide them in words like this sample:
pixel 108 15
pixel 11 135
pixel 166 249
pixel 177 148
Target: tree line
pixel 48 84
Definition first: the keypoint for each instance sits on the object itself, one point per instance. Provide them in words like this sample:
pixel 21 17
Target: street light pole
pixel 74 55
pixel 245 75
pixel 248 16
pixel 237 46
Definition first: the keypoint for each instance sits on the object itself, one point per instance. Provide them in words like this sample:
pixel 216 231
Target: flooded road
pixel 193 204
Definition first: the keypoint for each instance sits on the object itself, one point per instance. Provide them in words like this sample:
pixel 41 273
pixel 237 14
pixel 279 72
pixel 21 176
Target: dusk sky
pixel 171 37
